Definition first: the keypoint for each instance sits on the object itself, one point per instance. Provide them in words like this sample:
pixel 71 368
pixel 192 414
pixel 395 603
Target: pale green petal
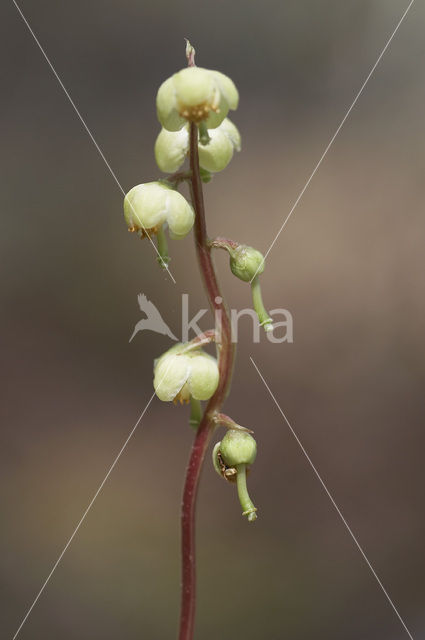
pixel 145 205
pixel 167 107
pixel 215 118
pixel 171 148
pixel 171 373
pixel 216 155
pixel 204 376
pixel 180 215
pixel 194 86
pixel 232 133
pixel 176 348
pixel 227 88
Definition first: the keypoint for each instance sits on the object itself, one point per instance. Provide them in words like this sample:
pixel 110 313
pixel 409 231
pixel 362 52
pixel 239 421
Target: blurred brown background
pixel 349 266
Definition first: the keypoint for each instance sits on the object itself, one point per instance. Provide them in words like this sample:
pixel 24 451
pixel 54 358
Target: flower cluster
pixel 195 102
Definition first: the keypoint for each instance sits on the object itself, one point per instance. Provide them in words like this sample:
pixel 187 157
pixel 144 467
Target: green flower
pixel 195 94
pixel 149 206
pixel 172 147
pixel 179 375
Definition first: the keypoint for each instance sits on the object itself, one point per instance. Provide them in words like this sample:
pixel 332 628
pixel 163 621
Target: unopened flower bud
pixel 246 262
pixel 231 458
pixel 195 94
pixel 238 447
pixel 178 375
pixel 148 206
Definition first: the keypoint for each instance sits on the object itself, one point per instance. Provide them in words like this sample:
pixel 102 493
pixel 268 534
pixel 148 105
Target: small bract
pixel 179 375
pixel 195 94
pixel 149 206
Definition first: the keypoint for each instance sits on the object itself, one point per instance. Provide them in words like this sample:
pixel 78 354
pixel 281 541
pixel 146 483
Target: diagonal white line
pixel 102 155
pixel 341 124
pixel 91 503
pixel 347 526
pixel 83 517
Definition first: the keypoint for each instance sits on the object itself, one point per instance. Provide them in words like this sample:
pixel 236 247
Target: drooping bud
pixel 246 262
pixel 148 206
pixel 238 447
pixel 231 458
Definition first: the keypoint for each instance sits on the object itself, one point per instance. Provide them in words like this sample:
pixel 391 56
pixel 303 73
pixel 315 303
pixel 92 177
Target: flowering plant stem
pixel 226 353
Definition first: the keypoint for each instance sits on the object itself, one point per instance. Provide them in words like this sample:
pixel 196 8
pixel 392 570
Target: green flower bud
pixel 216 155
pixel 238 447
pixel 148 206
pixel 179 375
pixel 246 262
pixel 195 94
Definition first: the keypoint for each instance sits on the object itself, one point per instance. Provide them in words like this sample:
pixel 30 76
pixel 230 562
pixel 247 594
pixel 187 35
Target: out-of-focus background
pixel 349 266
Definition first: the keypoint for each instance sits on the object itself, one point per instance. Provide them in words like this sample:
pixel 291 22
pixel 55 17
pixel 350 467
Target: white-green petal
pixel 203 376
pixel 180 215
pixel 228 89
pixel 194 86
pixel 167 107
pixel 232 133
pixel 171 148
pixel 144 205
pixel 216 155
pixel 171 373
pixel 215 118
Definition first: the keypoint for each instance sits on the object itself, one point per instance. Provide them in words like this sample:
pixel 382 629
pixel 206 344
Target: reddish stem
pixel 226 352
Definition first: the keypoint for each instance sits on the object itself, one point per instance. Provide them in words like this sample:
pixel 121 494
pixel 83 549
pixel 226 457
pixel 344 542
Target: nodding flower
pixel 149 206
pixel 172 147
pixel 179 375
pixel 196 95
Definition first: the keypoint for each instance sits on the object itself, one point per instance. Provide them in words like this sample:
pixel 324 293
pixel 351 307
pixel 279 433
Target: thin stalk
pixel 226 352
pixel 195 413
pixel 246 503
pixel 163 256
pixel 257 301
